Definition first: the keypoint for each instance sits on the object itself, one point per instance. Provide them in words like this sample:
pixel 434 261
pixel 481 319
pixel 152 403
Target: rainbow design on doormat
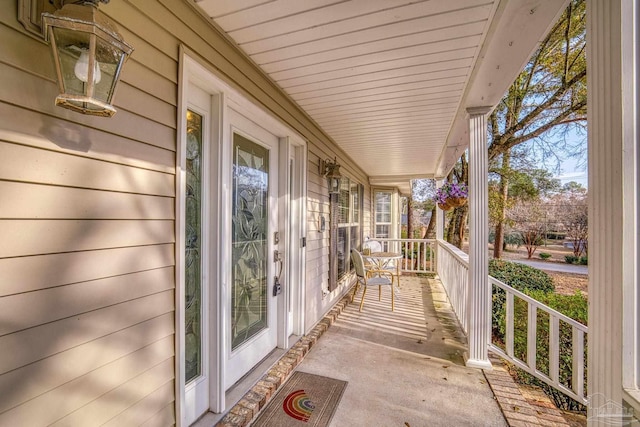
pixel 298 405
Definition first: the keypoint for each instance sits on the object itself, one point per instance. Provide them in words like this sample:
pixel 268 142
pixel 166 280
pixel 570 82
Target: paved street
pixel 554 266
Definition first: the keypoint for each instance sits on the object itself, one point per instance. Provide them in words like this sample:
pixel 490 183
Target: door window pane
pixel 250 212
pixel 193 248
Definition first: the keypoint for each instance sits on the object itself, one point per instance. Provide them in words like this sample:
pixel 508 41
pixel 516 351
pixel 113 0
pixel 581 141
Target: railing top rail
pixel 538 304
pixel 405 240
pixel 455 252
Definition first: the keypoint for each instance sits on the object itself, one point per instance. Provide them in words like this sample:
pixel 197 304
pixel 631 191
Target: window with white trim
pixel 349 227
pixel 383 214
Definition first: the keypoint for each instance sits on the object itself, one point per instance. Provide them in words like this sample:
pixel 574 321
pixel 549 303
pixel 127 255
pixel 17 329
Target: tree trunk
pixel 409 218
pixel 458 222
pixel 457 226
pixel 498 241
pixel 432 224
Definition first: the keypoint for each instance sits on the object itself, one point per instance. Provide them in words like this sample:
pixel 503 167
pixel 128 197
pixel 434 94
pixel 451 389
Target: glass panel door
pixel 252 314
pixel 250 219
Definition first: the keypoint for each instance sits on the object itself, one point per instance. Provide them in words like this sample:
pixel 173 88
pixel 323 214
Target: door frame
pixel 223 96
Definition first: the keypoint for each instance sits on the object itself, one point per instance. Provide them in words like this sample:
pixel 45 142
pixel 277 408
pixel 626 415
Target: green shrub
pixel 574 306
pixel 553 235
pixel 513 239
pixel 544 255
pixel 571 259
pixel 520 276
pixel 584 260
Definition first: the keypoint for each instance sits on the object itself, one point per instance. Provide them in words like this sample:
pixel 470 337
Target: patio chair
pixel 392 267
pixel 372 246
pixel 363 279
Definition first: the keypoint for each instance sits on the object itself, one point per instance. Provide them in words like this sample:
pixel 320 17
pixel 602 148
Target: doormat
pixel 304 400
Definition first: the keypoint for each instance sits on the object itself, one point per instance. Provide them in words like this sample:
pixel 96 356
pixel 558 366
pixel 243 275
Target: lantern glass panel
pixel 74 56
pixel 110 59
pixel 71 45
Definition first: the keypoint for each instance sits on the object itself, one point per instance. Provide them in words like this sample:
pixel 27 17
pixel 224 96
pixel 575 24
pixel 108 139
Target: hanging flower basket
pixel 445 206
pixel 456 202
pixel 451 195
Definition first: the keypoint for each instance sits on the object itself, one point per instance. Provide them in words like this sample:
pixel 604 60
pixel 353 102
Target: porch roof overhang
pixel 390 81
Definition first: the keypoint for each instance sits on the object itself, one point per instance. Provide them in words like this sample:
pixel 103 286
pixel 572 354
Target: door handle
pixel 277 287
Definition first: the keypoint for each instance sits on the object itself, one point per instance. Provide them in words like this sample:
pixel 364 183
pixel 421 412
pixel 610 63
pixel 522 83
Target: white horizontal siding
pixel 87 257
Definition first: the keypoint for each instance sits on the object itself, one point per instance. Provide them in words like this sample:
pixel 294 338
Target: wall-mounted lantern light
pixel 331 170
pixel 88 53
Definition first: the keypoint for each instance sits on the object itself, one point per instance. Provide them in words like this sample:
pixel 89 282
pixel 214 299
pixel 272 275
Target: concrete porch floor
pixel 404 368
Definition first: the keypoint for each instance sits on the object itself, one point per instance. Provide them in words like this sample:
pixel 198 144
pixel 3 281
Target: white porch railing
pixel 418 255
pixel 579 331
pixel 453 267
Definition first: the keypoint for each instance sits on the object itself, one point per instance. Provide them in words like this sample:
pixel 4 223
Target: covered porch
pixel 402 108
pixel 405 367
pixel 390 91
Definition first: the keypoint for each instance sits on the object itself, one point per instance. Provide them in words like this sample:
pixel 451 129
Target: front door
pixel 251 332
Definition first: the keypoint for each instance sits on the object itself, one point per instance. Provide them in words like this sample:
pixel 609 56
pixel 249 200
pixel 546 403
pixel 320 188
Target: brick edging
pixel 248 407
pixel 517 411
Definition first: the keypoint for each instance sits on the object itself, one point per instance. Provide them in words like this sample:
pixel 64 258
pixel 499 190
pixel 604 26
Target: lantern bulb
pixel 81 69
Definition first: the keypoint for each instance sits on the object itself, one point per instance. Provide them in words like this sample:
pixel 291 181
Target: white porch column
pixel 439 214
pixel 479 304
pixel 612 69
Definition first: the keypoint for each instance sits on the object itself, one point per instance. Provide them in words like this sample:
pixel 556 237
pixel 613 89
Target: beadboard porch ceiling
pixel 390 80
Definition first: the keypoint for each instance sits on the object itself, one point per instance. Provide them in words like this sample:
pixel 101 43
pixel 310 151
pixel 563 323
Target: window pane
pixel 343 255
pixel 343 202
pixel 355 203
pixel 355 240
pixel 193 239
pixel 382 231
pixel 383 207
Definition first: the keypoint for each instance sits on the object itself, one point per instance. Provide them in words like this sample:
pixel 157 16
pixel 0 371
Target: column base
pixel 477 363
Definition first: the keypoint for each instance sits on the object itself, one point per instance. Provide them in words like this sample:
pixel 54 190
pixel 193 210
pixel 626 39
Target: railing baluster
pixel 531 335
pixel 434 257
pixel 577 370
pixel 404 252
pixel 554 349
pixel 509 323
pixel 412 258
pixel 424 256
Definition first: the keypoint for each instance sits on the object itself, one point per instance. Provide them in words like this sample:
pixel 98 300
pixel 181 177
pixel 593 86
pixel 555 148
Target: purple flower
pixel 450 189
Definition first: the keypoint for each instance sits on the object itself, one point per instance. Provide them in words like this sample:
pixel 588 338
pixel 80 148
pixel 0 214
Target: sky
pixel 571 172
